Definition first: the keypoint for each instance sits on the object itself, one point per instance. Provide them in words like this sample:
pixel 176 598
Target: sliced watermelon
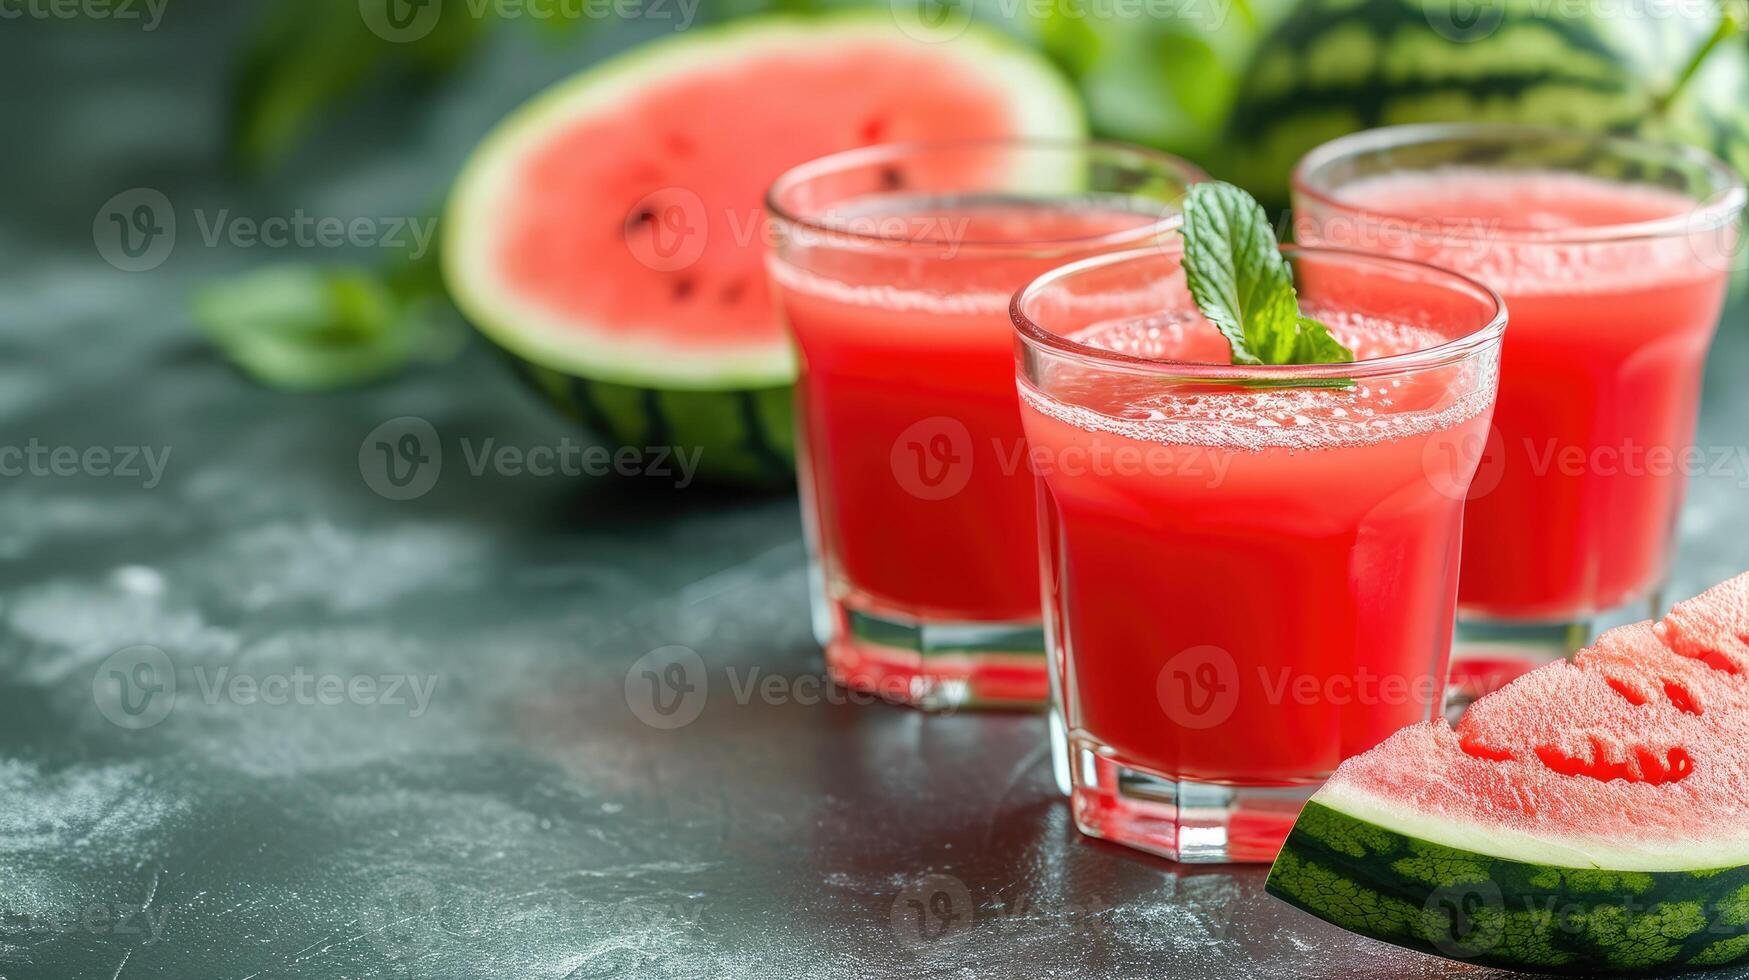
pixel 1590 816
pixel 610 234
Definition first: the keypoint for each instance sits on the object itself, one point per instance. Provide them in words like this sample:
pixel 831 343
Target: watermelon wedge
pixel 610 235
pixel 1592 815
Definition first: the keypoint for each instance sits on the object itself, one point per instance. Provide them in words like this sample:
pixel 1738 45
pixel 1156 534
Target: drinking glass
pixel 1250 571
pixel 1613 255
pixel 893 266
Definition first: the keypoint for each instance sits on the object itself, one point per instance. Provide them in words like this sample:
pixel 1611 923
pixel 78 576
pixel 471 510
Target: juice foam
pixel 1154 410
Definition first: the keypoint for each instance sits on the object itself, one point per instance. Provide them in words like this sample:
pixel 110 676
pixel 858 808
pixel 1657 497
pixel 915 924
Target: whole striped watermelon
pixel 1338 66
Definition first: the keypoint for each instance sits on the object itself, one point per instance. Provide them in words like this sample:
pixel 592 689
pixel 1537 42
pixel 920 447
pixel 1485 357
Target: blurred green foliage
pixel 1168 80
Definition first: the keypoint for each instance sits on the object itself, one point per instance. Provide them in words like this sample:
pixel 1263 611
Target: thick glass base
pixel 938 666
pixel 1193 823
pixel 1489 653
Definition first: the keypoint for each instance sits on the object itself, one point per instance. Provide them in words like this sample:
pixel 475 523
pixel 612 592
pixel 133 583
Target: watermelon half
pixel 610 234
pixel 1590 816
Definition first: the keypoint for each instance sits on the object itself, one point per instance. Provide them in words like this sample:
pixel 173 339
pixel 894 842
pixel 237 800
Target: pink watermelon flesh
pixel 1713 629
pixel 1638 744
pixel 625 178
pixel 1638 664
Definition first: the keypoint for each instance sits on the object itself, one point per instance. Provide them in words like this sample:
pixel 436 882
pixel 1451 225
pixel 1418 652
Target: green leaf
pixel 1070 40
pixel 1195 77
pixel 301 327
pixel 1313 344
pixel 309 59
pixel 305 57
pixel 1243 285
pixel 1236 272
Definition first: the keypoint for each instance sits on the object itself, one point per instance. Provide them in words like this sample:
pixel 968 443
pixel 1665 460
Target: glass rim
pixel 875 154
pixel 1723 206
pixel 1439 355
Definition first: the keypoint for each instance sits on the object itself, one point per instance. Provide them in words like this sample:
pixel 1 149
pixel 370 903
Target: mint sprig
pixel 1242 284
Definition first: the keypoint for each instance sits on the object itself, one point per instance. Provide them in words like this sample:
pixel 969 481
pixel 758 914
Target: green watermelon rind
pixel 746 436
pixel 1046 107
pixel 1399 887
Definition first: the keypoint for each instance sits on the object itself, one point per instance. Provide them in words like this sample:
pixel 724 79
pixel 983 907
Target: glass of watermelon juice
pixel 1614 256
pixel 1250 571
pixel 893 266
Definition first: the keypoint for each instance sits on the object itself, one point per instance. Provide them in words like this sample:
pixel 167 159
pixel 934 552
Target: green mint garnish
pixel 1243 285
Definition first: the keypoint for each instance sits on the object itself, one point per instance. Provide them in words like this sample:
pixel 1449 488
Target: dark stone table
pixel 454 783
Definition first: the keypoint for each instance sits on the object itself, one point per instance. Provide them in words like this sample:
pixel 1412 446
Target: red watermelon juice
pixel 913 461
pixel 1251 572
pixel 1613 257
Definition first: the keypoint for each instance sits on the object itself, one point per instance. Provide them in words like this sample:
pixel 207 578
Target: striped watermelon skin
pixel 744 437
pixel 1497 912
pixel 1335 67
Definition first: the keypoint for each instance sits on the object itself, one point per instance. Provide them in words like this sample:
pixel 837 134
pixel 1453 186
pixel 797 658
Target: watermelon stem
pixel 1732 21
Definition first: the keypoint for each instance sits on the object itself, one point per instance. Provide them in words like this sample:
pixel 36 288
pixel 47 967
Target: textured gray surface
pixel 524 822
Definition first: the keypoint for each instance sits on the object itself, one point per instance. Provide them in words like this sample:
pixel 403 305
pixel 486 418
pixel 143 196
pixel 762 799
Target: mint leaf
pixel 1314 344
pixel 1234 268
pixel 1243 285
pixel 303 328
